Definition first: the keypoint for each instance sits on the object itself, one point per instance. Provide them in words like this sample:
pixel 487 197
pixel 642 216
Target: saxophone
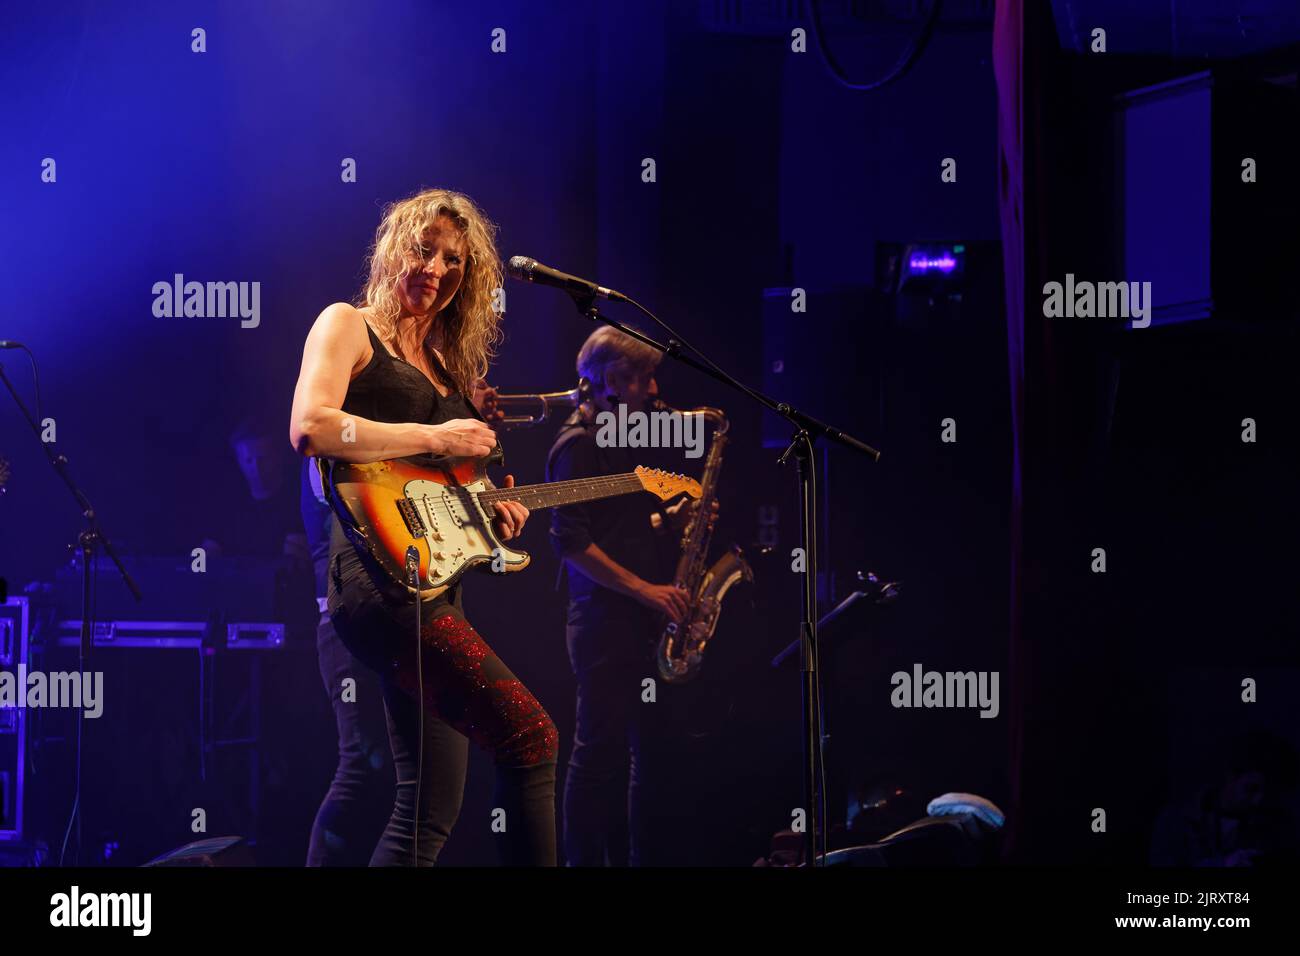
pixel 680 652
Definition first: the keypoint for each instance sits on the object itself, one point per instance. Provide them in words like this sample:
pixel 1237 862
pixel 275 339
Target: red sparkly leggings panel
pixel 469 687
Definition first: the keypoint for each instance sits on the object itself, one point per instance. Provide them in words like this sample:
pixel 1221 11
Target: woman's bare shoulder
pixel 339 334
pixel 341 320
pixel 341 313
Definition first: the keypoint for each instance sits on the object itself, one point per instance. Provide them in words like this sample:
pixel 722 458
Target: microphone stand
pixel 807 430
pixel 91 537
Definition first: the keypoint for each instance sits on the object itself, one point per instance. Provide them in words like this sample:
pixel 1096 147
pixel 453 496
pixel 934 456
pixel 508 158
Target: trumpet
pixel 524 411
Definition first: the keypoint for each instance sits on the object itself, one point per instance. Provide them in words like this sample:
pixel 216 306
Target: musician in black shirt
pixel 613 550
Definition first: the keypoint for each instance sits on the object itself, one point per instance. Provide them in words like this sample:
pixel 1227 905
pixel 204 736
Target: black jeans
pixel 605 789
pixel 468 692
pixel 344 831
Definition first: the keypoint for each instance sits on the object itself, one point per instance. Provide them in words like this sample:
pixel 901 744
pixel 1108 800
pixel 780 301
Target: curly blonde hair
pixel 471 327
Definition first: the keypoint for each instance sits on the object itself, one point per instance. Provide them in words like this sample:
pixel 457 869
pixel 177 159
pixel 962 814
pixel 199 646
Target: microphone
pixel 530 270
pixel 10 344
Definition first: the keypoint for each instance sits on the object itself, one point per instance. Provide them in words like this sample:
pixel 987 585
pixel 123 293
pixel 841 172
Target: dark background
pixel 1132 680
pixel 225 166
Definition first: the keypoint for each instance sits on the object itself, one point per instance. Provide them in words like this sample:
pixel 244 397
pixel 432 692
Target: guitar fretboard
pixel 572 492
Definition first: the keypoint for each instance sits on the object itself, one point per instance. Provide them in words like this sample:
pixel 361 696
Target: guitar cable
pixel 413 568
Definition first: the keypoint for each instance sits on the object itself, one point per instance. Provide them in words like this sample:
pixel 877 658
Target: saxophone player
pixel 611 550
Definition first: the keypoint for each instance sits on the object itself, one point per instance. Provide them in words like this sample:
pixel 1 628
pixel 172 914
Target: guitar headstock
pixel 665 484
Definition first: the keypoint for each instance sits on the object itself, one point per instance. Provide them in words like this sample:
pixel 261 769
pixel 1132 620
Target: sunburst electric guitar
pixel 443 507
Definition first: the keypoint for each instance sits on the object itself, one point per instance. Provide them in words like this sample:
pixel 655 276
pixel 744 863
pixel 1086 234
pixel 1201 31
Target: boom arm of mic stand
pixel 674 349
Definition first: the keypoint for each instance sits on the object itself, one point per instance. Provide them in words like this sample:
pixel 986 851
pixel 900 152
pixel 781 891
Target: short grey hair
pixel 608 349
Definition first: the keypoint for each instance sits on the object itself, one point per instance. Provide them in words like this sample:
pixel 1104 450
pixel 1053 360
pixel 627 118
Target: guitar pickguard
pixel 456 531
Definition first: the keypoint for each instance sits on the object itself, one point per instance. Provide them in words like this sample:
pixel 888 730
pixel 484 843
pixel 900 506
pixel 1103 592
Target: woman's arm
pixel 318 425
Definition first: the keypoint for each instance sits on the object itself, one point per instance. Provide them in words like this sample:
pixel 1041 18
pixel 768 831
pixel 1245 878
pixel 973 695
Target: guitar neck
pixel 574 491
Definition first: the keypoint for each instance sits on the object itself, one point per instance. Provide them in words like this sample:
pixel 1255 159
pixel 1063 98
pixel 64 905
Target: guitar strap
pixel 324 472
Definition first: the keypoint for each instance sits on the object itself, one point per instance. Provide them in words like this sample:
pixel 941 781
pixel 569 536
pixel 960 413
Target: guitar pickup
pixel 411 517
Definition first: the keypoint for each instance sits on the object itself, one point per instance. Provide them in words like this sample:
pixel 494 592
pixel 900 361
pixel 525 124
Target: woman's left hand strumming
pixel 510 515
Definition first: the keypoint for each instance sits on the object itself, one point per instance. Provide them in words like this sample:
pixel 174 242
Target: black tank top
pixel 392 390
